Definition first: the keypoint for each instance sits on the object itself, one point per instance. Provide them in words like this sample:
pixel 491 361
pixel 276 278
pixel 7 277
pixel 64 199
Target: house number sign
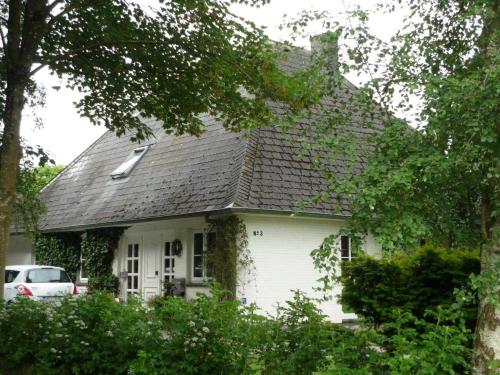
pixel 258 233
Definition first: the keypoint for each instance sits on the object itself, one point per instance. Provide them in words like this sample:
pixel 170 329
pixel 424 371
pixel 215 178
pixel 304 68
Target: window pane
pixel 167 264
pixel 173 264
pixel 198 266
pixel 198 243
pixel 10 275
pixel 136 282
pixel 136 250
pixel 47 275
pixel 83 269
pixel 129 266
pixel 136 266
pixel 130 251
pixel 344 243
pixel 129 282
pixel 167 249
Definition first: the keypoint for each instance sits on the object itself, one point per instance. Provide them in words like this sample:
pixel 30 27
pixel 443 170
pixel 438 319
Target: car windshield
pixel 10 275
pixel 47 275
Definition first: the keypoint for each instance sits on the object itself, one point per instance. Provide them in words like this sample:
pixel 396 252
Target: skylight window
pixel 128 165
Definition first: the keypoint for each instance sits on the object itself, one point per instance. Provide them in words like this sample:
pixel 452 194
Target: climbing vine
pixel 59 249
pixel 229 254
pixel 98 247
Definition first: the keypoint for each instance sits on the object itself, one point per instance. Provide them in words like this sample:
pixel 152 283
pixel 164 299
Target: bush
pixel 87 335
pixel 107 283
pixel 94 334
pixel 417 347
pixel 356 352
pixel 420 347
pixel 204 336
pixel 25 327
pixel 414 283
pixel 297 340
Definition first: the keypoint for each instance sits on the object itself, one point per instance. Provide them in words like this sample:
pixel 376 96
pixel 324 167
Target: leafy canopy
pixel 171 62
pixel 438 178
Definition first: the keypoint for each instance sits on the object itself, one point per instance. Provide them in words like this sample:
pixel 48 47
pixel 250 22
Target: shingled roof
pixel 182 175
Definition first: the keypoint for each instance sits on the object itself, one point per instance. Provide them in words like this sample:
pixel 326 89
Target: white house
pixel 171 188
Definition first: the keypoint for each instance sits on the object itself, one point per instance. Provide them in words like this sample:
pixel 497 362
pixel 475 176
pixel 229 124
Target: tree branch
pixel 4 42
pixel 37 69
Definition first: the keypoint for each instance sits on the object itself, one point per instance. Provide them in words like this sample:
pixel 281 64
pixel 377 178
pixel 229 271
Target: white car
pixel 37 283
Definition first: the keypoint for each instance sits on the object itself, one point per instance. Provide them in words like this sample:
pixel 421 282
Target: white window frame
pixel 80 277
pixel 204 278
pixel 133 258
pixel 171 260
pixel 349 256
pixel 124 169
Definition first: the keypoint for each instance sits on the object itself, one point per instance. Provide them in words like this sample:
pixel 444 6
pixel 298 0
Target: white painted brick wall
pixel 20 250
pixel 283 263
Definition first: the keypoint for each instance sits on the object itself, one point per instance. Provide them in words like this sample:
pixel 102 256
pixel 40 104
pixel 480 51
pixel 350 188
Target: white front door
pixel 151 281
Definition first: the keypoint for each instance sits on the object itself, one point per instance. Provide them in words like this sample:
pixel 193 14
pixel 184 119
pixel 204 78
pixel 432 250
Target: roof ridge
pixel 245 178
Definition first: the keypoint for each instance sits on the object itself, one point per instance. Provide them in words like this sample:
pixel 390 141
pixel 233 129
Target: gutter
pixel 207 214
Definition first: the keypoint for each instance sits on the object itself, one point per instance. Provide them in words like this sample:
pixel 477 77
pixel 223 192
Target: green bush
pixel 202 336
pixel 374 288
pixel 106 283
pixel 356 352
pixel 94 334
pixel 25 328
pixel 417 347
pixel 88 335
pixel 420 347
pixel 297 340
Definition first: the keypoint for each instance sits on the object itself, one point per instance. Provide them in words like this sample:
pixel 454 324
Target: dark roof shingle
pixel 188 175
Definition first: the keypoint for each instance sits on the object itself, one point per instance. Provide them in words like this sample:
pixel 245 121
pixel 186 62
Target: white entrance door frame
pixel 151 271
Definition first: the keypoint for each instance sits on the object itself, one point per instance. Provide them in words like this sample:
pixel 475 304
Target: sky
pixel 65 134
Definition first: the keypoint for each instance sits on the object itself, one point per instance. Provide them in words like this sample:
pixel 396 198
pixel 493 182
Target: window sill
pixel 195 283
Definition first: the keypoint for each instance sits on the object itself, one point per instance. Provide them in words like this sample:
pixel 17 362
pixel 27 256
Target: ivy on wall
pixel 59 249
pixel 229 254
pixel 98 248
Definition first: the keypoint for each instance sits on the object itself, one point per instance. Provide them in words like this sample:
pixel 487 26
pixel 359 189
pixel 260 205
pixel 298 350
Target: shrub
pixel 106 283
pixel 421 347
pixel 297 340
pixel 88 335
pixel 414 283
pixel 203 336
pixel 356 352
pixel 25 327
pixel 94 335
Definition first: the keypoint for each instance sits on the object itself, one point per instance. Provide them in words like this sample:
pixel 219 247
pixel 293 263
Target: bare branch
pixel 54 4
pixel 37 69
pixel 2 36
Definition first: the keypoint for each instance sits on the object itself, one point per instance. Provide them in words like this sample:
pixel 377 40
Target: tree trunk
pixel 487 340
pixel 25 28
pixel 10 155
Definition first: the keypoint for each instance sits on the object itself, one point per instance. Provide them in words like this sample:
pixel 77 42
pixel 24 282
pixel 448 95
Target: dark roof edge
pixel 223 211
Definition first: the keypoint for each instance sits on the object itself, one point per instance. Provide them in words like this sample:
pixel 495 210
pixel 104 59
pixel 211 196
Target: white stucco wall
pixel 20 250
pixel 281 249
